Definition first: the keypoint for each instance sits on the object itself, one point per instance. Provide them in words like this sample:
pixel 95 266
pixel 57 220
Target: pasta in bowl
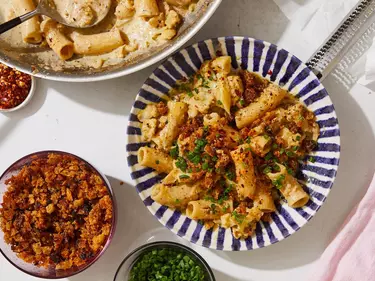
pixel 230 150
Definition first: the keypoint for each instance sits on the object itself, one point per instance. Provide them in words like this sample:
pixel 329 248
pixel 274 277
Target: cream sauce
pixel 140 33
pixel 82 13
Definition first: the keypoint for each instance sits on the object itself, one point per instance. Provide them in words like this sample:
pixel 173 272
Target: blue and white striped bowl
pixel 278 66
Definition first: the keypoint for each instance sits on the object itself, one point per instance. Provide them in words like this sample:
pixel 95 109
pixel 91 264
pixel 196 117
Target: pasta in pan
pixel 234 142
pixel 131 26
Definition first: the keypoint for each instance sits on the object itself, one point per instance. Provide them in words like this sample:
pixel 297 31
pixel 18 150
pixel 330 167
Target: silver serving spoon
pixel 47 8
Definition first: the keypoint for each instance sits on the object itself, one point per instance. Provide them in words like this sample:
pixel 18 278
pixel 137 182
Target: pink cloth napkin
pixel 351 255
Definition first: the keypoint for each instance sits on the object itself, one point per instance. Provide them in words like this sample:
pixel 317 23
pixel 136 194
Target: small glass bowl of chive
pixel 164 261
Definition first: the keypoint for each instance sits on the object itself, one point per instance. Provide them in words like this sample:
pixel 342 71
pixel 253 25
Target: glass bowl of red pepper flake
pixel 16 89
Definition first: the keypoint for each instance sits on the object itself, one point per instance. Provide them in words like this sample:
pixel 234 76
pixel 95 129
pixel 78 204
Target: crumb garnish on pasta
pixel 231 142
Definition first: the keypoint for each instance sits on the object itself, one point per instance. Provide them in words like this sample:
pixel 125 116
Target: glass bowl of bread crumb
pixel 164 261
pixel 16 89
pixel 57 214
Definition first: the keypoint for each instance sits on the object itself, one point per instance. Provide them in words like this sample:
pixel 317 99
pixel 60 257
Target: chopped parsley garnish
pixel 275 146
pixel 177 201
pixel 295 148
pixel 248 140
pixel 298 138
pixel 312 159
pixel 242 102
pixel 181 164
pixel 219 102
pixel 189 93
pixel 282 150
pixel 174 152
pixel 290 171
pixel 214 158
pixel 157 162
pixel 196 90
pixel 267 137
pixel 184 177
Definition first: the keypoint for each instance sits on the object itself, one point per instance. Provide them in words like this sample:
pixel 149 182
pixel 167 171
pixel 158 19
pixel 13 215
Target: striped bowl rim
pixel 278 66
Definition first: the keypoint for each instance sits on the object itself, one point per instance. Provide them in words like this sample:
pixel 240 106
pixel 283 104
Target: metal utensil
pixel 352 28
pixel 46 7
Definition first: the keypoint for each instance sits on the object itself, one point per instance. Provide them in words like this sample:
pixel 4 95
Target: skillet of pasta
pixel 229 145
pixel 130 28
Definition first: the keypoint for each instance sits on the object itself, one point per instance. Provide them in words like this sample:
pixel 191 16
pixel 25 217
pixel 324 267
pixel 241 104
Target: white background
pixel 90 120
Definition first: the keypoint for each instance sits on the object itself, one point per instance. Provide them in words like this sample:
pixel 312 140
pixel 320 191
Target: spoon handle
pixel 18 20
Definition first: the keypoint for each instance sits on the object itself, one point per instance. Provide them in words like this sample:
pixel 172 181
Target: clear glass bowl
pixel 50 272
pixel 123 272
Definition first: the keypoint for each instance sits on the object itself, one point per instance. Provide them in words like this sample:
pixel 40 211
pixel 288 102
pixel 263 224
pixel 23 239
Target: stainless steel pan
pixel 192 24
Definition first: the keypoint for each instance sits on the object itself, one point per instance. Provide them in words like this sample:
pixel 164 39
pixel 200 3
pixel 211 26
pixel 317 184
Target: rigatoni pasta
pixel 235 149
pixel 57 41
pixel 128 26
pixel 97 43
pixel 31 28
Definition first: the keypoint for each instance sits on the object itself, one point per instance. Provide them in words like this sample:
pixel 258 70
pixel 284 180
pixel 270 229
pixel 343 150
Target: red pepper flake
pixel 14 87
pixel 270 72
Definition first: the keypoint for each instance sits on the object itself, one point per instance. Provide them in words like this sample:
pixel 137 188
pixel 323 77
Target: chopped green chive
pixel 181 164
pixel 205 166
pixel 184 177
pixel 269 156
pixel 295 148
pixel 312 159
pixel 157 162
pixel 174 152
pixel 165 264
pixel 242 102
pixel 219 102
pixel 230 175
pixel 267 170
pixel 290 154
pixel 278 183
pixel 298 138
pixel 213 208
pixel 238 217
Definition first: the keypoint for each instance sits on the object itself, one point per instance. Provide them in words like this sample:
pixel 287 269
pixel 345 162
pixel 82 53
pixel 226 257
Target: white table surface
pixel 90 120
